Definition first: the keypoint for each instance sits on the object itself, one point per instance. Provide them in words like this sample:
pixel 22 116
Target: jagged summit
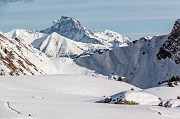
pixel 64 24
pixel 171 47
pixel 175 33
pixel 72 28
pixel 73 22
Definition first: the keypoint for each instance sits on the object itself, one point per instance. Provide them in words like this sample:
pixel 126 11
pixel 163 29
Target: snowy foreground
pixel 75 97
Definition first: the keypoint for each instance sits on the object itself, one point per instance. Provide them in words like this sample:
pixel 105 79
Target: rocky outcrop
pixel 171 47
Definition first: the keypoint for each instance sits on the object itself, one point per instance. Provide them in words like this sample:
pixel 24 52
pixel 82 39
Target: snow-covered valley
pixel 75 96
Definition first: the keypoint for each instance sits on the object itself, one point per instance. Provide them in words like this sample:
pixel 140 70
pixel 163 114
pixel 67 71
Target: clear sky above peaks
pixel 132 18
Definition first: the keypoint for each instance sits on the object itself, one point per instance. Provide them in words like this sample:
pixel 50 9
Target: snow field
pixel 73 96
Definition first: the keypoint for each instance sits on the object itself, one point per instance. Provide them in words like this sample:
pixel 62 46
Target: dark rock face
pixel 71 28
pixel 171 47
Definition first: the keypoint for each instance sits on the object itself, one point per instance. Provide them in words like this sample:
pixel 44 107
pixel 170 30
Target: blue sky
pixel 132 18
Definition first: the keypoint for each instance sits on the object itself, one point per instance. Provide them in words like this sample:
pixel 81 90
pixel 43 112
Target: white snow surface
pixel 55 45
pixel 26 36
pixel 169 95
pixel 70 97
pixel 166 93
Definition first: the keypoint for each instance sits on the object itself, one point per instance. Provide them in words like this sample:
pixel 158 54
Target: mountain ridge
pixel 69 31
pixel 139 61
pixel 71 28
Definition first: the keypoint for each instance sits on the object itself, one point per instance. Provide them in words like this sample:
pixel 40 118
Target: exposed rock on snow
pixel 171 103
pixel 132 98
pixel 21 59
pixel 171 47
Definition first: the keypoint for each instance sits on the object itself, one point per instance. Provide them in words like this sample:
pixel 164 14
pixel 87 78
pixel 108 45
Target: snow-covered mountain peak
pixel 146 37
pixel 71 28
pixel 109 32
pixel 68 38
pixel 55 45
pixel 23 35
pixel 116 36
pixel 66 23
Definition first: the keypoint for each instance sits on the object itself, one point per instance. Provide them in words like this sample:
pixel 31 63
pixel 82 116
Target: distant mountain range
pixel 145 62
pixel 68 38
pixel 71 28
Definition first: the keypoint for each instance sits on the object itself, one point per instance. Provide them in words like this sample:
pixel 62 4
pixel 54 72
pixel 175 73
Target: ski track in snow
pixel 7 104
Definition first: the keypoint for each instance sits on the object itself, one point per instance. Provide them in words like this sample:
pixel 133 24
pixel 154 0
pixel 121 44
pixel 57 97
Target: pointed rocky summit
pixel 171 47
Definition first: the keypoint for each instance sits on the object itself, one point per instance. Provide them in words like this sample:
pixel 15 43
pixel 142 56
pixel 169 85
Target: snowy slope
pixel 17 58
pixel 71 28
pixel 170 96
pixel 140 61
pixel 55 45
pixel 21 59
pixel 23 35
pixel 70 97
